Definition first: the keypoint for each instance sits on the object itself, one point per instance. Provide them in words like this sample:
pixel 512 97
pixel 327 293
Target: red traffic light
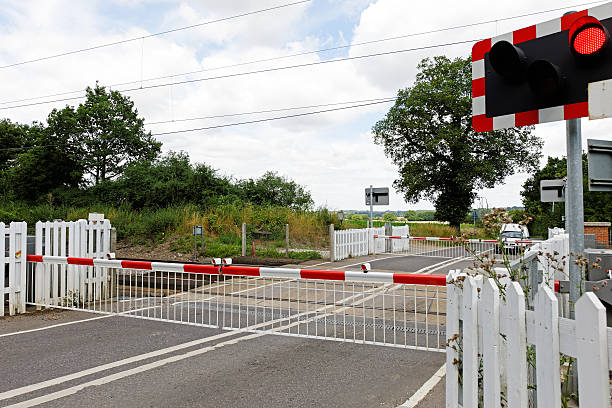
pixel 587 36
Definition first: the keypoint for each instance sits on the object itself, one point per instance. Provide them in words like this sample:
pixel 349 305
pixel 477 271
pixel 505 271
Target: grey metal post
pixel 287 240
pixel 244 239
pixel 332 246
pixel 575 208
pixel 113 239
pixel 388 231
pixel 371 206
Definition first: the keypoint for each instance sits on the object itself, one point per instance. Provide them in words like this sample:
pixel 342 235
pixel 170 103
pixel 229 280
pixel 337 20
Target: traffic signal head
pixel 541 73
pixel 588 37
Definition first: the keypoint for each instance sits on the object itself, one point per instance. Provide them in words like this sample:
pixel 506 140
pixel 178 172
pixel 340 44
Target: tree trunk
pixel 456 226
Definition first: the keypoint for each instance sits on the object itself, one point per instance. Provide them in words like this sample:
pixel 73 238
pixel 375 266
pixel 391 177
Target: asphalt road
pixel 65 359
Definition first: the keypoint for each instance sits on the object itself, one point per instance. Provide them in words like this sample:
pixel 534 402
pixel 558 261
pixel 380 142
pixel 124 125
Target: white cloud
pixel 332 154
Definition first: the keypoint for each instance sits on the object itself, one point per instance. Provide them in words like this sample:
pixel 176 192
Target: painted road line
pixel 117 376
pixel 53 382
pixel 156 364
pixel 425 389
pixel 54 326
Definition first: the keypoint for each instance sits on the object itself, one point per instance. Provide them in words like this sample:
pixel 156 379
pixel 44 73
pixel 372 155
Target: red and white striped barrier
pixel 471 241
pixel 263 272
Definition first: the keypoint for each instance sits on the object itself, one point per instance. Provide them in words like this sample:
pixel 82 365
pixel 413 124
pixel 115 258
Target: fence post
pixel 452 328
pixel 388 232
pixel 470 342
pixel 489 316
pixel 547 349
pixel 244 239
pixel 287 240
pixel 2 266
pixel 513 310
pixel 592 350
pixel 332 243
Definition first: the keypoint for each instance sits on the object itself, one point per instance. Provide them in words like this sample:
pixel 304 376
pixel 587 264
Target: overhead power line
pixel 267 111
pixel 399 37
pixel 238 74
pixel 295 115
pixel 376 102
pixel 95 47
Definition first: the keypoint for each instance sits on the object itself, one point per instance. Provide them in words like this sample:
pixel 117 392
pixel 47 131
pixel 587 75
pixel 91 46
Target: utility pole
pixel 371 206
pixel 574 208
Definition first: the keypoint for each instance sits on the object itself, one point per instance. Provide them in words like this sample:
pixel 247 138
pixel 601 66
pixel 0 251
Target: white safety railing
pixel 74 239
pixel 400 310
pixel 461 249
pixel 491 333
pixel 357 242
pixel 13 249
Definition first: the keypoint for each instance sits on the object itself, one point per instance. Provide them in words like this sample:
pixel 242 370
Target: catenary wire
pixel 236 123
pixel 238 74
pixel 295 115
pixel 267 111
pixel 95 47
pixel 141 81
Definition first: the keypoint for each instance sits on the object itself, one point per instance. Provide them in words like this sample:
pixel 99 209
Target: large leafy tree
pixel 272 189
pixel 108 131
pixel 49 164
pixel 597 204
pixel 428 134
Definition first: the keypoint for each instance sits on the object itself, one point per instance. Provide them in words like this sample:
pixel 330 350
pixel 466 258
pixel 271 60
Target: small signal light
pixel 508 60
pixel 588 37
pixel 545 79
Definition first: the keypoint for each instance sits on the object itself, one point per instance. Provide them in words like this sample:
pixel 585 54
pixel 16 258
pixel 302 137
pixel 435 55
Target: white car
pixel 511 235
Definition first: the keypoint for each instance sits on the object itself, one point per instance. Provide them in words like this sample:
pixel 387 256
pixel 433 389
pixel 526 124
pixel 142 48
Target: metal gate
pixel 456 247
pixel 400 310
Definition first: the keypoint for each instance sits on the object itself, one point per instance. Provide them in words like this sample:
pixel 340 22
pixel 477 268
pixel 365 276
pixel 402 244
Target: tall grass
pixel 306 227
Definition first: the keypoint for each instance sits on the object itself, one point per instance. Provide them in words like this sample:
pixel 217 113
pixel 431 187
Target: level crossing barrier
pixel 391 309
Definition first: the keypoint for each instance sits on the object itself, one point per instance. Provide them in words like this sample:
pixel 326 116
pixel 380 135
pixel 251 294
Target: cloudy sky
pixel 331 153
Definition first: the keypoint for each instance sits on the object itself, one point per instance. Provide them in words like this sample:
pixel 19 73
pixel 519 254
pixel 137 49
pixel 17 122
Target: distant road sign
pixel 600 164
pixel 381 196
pixel 552 191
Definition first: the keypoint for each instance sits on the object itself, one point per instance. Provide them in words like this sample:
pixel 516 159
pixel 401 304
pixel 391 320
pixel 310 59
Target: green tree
pixel 166 181
pixel 389 216
pixel 13 141
pixel 428 134
pixel 597 205
pixel 108 131
pixel 272 189
pixel 49 165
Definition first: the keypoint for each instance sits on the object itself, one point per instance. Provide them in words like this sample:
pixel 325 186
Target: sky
pixel 333 153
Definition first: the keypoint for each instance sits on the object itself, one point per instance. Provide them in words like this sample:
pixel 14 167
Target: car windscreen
pixel 512 234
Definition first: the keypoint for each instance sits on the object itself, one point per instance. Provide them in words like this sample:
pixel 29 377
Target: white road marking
pixel 55 325
pixel 425 389
pixel 56 381
pixel 117 376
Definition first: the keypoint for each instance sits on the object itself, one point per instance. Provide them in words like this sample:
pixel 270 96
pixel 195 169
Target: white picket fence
pixel 359 242
pixel 79 239
pixel 494 330
pixel 13 267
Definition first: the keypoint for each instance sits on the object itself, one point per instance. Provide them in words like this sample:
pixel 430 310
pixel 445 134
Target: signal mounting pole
pixel 575 209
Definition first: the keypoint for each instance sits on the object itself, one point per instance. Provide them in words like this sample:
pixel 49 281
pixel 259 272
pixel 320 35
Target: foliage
pixel 420 215
pixel 108 132
pixel 597 205
pixel 428 134
pixel 272 189
pixel 389 216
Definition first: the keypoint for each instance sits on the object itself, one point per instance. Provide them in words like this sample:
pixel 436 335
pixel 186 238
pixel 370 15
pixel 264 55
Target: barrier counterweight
pixel 402 310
